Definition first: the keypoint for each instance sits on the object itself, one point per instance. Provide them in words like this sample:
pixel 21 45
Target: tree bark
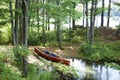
pixel 87 21
pixel 91 35
pixel 70 28
pixel 59 38
pixel 25 31
pixel 73 21
pixel 16 54
pixel 38 24
pixel 16 21
pixel 102 14
pixel 83 14
pixel 43 27
pixel 108 19
pixel 48 23
pixel 95 6
pixel 12 22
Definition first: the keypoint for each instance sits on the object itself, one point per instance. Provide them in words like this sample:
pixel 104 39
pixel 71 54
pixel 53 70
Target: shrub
pixel 6 73
pixel 114 46
pixel 113 65
pixel 51 36
pixel 34 38
pixel 118 27
pixel 5 35
pixel 97 52
pixel 49 75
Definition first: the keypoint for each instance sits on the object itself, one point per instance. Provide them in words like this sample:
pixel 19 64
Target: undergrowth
pixel 9 70
pixel 99 52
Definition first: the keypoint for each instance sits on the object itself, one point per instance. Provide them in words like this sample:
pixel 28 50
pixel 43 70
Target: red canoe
pixel 52 58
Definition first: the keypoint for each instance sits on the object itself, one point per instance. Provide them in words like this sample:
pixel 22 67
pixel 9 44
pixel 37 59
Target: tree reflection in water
pixel 94 71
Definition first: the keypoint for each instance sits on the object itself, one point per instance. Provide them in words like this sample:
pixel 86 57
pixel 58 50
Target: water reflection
pixel 94 71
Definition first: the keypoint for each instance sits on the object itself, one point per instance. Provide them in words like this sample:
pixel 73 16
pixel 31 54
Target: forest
pixel 82 38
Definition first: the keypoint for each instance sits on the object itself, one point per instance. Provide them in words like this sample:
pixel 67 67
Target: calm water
pixel 94 71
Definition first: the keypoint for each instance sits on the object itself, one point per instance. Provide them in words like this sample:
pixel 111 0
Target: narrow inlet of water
pixel 94 71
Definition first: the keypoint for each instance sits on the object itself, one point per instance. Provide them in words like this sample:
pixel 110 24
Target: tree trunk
pixel 16 21
pixel 91 35
pixel 59 38
pixel 48 23
pixel 95 6
pixel 43 27
pixel 25 31
pixel 21 27
pixel 38 24
pixel 16 54
pixel 87 22
pixel 12 23
pixel 108 19
pixel 70 28
pixel 73 24
pixel 59 34
pixel 47 17
pixel 21 30
pixel 83 14
pixel 73 21
pixel 102 14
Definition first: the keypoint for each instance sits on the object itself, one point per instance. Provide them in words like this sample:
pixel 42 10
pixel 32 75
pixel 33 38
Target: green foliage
pixel 76 35
pixel 67 70
pixel 6 54
pixel 51 36
pixel 97 34
pixel 118 27
pixel 76 39
pixel 98 52
pixel 8 73
pixel 32 73
pixel 22 50
pixel 117 3
pixel 113 65
pixel 34 38
pixel 19 53
pixel 4 9
pixel 114 46
pixel 39 73
pixel 2 56
pixel 5 34
pixel 53 75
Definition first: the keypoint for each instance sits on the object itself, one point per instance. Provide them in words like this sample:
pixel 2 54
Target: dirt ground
pixel 109 34
pixel 67 52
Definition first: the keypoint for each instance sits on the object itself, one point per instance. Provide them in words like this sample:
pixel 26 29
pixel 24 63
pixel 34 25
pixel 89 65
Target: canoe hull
pixel 52 58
